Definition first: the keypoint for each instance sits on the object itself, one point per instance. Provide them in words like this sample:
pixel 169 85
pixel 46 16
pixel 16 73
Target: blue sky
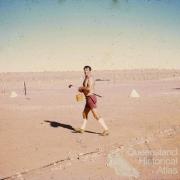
pixel 58 35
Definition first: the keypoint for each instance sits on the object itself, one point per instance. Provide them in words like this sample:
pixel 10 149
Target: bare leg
pixel 85 113
pixel 100 120
pixel 95 114
pixel 85 117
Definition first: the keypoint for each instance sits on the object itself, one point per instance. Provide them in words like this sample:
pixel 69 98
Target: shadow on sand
pixel 55 124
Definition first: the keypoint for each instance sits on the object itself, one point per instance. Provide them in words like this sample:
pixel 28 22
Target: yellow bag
pixel 79 97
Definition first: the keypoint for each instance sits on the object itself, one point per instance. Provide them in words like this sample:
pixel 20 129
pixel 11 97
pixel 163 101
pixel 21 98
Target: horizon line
pixel 125 69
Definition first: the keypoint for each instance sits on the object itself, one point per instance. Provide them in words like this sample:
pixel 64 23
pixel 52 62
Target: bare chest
pixel 85 82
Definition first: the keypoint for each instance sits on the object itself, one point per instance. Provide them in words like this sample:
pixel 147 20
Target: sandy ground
pixel 38 142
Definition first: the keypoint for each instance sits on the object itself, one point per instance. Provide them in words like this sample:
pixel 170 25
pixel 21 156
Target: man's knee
pixel 96 116
pixel 84 114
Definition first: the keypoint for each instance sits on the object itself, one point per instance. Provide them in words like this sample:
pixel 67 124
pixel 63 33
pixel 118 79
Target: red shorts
pixel 91 102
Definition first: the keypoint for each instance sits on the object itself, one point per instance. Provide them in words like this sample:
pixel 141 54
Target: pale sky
pixel 59 35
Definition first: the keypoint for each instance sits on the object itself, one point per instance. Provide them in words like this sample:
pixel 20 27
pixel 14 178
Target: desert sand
pixel 36 131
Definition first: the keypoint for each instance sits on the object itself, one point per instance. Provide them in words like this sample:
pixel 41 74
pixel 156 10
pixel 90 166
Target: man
pixel 88 90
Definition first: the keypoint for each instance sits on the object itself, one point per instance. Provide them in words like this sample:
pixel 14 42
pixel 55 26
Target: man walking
pixel 88 90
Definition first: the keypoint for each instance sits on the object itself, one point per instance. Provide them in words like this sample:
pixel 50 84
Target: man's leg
pixel 85 117
pixel 100 120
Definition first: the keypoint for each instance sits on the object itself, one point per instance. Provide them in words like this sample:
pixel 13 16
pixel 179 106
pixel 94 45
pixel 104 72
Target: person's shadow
pixel 177 88
pixel 55 124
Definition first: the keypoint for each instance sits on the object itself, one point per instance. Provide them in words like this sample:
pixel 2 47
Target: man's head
pixel 87 70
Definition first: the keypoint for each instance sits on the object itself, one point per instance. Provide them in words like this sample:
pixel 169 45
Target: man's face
pixel 87 72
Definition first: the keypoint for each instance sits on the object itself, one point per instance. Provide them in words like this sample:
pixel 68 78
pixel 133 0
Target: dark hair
pixel 89 67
